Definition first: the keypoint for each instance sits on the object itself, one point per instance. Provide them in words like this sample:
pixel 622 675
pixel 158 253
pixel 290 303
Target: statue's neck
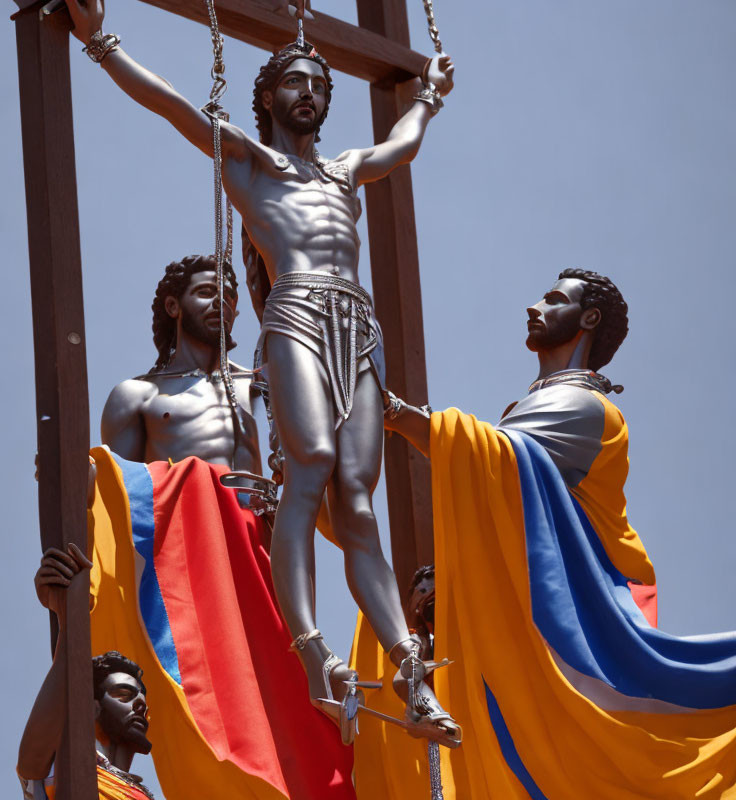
pixel 118 754
pixel 570 355
pixel 193 354
pixel 286 141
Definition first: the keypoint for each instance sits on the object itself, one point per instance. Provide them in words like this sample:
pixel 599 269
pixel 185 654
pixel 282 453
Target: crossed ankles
pixel 424 717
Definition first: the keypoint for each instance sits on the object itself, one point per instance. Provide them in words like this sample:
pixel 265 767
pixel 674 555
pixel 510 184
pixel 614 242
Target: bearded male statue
pixel 181 580
pixel 567 685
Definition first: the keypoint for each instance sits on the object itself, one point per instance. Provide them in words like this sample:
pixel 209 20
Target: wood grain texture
pixel 60 361
pixel 398 299
pixel 348 48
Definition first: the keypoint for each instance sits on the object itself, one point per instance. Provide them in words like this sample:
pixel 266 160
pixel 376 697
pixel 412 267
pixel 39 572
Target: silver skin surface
pixel 167 415
pixel 300 222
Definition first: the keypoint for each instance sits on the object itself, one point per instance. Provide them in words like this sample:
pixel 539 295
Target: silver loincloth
pixel 334 318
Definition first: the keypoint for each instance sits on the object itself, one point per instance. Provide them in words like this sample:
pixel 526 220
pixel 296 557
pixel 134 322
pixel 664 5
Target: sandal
pixel 425 718
pixel 344 712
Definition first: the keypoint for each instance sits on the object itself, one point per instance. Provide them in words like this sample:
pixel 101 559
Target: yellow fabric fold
pixel 571 747
pixel 601 494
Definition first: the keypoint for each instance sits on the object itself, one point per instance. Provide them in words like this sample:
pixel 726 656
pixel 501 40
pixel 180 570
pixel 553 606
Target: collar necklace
pixel 321 168
pixel 584 378
pixel 213 377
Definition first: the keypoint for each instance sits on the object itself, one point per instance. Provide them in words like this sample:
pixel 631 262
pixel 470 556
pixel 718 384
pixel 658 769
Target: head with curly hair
pixel 186 296
pixel 580 300
pixel 293 80
pixel 120 700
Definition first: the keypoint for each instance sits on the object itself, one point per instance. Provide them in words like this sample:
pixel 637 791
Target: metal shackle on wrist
pixel 393 406
pixel 100 44
pixel 431 96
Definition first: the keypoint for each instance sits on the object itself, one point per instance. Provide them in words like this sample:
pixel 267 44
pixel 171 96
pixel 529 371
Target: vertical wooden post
pixel 398 298
pixel 62 406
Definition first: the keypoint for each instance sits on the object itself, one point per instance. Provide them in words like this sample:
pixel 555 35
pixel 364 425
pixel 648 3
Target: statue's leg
pixel 371 580
pixel 358 466
pixel 304 414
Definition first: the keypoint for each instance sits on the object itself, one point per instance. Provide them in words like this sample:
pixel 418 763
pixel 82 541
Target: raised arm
pixel 45 725
pixel 402 143
pixel 122 426
pixel 151 91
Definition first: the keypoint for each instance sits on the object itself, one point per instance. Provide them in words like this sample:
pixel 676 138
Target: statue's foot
pixel 336 690
pixel 424 717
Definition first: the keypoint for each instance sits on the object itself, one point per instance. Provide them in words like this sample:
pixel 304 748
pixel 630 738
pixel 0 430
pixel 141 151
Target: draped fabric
pixel 110 788
pixel 181 584
pixel 563 687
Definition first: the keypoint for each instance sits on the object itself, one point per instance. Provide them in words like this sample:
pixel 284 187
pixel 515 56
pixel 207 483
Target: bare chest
pixel 292 203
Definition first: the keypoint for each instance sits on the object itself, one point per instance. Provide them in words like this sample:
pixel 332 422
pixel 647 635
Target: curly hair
pixel 173 284
pixel 110 662
pixel 601 293
pixel 269 77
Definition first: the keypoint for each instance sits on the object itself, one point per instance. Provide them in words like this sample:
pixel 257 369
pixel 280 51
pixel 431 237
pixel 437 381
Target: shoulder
pixel 243 376
pixel 245 391
pixel 344 166
pixel 237 144
pixel 349 160
pixel 132 392
pixel 615 423
pixel 239 371
pixel 561 402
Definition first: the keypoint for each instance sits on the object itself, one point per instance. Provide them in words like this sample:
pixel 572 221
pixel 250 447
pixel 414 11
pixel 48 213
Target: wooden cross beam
pixel 362 52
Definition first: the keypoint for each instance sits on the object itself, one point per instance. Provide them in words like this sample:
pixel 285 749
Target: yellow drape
pixel 571 747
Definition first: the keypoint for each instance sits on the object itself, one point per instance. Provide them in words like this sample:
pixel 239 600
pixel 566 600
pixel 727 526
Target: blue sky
pixel 581 133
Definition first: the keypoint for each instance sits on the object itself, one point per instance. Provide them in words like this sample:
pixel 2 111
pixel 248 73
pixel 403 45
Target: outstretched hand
pixel 87 18
pixel 56 573
pixel 301 9
pixel 440 72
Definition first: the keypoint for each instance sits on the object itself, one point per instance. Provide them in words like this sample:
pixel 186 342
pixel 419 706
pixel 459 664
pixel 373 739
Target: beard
pixel 295 124
pixel 544 338
pixel 122 732
pixel 202 333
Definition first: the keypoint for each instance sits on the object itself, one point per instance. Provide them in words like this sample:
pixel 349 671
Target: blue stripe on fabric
pixel 139 486
pixel 508 748
pixel 583 607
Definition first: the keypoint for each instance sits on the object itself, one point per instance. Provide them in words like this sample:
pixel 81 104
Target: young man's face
pixel 556 318
pixel 200 308
pixel 300 98
pixel 122 713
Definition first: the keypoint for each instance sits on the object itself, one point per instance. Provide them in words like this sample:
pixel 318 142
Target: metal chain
pixel 434 33
pixel 435 773
pixel 218 65
pixel 217 114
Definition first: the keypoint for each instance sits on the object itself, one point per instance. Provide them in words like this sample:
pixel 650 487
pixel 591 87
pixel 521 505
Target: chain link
pixel 435 773
pixel 217 114
pixel 434 33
